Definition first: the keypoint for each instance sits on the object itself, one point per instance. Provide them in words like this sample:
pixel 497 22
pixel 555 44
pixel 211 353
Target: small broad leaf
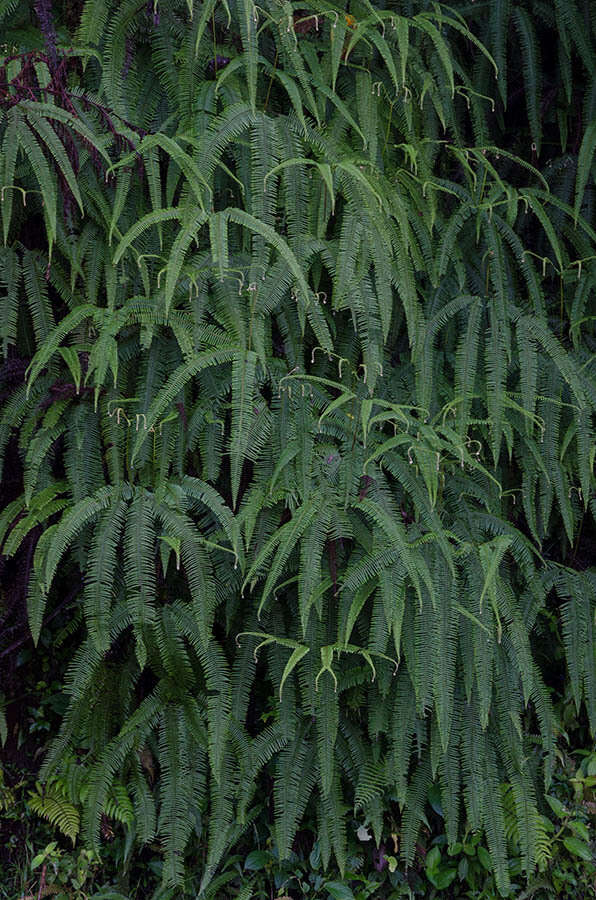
pixel 580 829
pixel 578 848
pixel 339 891
pixel 257 860
pixel 556 806
pixel 484 857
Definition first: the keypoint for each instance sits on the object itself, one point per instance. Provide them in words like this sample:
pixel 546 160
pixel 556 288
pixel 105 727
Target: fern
pixel 298 354
pixel 50 803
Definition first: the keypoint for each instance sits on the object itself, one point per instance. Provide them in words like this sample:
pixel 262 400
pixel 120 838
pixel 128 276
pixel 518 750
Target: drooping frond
pixel 297 415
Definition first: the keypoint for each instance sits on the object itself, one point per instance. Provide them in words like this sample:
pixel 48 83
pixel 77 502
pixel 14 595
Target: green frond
pixel 50 802
pixel 297 377
pixel 294 781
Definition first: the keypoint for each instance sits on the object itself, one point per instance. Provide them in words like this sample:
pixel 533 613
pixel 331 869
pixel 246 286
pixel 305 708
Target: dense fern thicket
pixel 298 389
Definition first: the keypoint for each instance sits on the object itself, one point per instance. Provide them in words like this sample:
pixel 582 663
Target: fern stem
pixel 266 104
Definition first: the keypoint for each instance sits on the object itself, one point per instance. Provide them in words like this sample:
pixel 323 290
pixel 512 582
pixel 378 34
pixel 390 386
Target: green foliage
pixel 565 867
pixel 309 375
pixel 51 804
